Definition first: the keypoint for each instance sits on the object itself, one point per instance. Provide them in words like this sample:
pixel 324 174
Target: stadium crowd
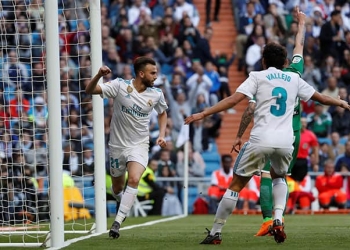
pixel 191 76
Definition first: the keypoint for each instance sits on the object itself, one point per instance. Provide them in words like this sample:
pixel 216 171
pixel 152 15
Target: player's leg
pixel 280 161
pixel 244 168
pixel 265 200
pixel 295 154
pixel 136 161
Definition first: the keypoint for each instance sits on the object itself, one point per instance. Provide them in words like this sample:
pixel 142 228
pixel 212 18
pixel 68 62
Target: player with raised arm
pixel 133 103
pixel 271 138
pixel 297 66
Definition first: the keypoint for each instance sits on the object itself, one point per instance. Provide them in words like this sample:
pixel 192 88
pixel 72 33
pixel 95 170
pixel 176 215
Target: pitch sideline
pixel 149 223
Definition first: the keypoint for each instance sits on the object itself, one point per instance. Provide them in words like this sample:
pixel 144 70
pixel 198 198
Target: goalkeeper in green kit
pixel 297 66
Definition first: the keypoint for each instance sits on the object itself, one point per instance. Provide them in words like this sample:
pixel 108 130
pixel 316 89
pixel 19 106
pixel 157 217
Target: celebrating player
pixel 134 101
pixel 271 138
pixel 297 66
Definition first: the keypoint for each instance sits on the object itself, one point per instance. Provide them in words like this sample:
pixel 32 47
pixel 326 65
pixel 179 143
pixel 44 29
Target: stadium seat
pixel 210 167
pixel 141 208
pixel 211 157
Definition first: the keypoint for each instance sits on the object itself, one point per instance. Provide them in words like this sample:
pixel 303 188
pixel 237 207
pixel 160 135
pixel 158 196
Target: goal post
pixel 41 23
pixel 55 126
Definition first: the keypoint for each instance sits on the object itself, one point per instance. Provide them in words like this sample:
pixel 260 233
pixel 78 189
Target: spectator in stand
pixel 135 11
pixel 341 123
pixel 14 71
pixel 220 179
pixel 343 94
pixel 18 104
pixel 196 164
pixel 274 23
pixel 202 51
pixel 245 29
pixel 188 32
pixel 254 54
pixel 158 11
pixel 300 195
pixel 39 114
pixel 329 187
pixel 183 8
pixel 331 35
pixel 214 76
pixel 320 122
pixel 308 141
pixel 208 11
pixel 342 163
pixel 312 50
pixel 324 154
pixel 148 189
pixel 171 203
pixel 331 90
pixel 312 74
pixel 336 148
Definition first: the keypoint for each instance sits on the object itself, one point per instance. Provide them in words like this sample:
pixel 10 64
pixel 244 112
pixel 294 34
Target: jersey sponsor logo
pixel 296 59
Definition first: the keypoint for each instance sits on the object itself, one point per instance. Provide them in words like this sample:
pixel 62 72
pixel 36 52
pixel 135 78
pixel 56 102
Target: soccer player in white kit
pixel 133 103
pixel 271 138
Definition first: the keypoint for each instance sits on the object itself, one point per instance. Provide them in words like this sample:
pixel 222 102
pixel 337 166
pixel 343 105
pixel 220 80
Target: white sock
pixel 279 190
pixel 225 208
pixel 118 196
pixel 126 203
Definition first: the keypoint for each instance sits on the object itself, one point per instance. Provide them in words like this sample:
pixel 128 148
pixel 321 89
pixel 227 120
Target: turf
pixel 303 232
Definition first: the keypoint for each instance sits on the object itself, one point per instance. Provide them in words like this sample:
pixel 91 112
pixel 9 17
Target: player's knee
pixel 133 181
pixel 117 188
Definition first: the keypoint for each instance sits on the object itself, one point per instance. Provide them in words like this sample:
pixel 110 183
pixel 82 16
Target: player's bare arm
pixel 162 121
pixel 327 100
pixel 93 88
pixel 228 102
pixel 300 36
pixel 245 121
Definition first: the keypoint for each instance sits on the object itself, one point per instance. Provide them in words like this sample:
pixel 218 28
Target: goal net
pixel 25 192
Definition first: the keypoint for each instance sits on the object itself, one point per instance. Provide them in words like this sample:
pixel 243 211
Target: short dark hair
pixel 226 157
pixel 274 55
pixel 335 12
pixel 141 62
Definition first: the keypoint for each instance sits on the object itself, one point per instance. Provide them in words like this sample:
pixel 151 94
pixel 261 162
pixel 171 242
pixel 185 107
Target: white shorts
pixel 118 159
pixel 252 158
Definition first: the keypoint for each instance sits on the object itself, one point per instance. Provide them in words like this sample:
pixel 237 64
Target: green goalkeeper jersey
pixel 297 66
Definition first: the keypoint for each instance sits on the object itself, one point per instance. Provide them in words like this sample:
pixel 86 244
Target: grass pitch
pixel 303 232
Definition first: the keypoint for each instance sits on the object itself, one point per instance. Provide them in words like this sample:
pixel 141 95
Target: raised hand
pixel 104 70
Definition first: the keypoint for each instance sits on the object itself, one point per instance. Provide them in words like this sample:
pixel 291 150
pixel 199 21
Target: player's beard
pixel 148 83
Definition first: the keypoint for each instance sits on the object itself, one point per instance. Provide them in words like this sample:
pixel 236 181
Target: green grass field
pixel 303 232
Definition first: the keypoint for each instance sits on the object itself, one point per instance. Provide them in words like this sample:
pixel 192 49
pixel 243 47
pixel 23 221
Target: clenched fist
pixel 104 70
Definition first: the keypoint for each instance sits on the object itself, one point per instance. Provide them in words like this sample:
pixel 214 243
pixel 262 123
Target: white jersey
pixel 131 112
pixel 275 92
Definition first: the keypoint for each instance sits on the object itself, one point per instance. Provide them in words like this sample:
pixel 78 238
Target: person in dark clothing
pixel 150 190
pixel 208 10
pixel 202 49
pixel 330 36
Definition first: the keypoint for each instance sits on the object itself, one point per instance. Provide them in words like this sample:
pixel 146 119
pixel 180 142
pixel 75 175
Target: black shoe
pixel 216 19
pixel 277 230
pixel 114 231
pixel 212 239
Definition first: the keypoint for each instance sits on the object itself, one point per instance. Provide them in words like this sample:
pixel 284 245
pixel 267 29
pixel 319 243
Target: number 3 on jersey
pixel 281 106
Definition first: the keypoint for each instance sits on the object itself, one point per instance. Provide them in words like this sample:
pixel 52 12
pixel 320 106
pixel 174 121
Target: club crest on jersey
pixel 296 59
pixel 129 89
pixel 150 103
